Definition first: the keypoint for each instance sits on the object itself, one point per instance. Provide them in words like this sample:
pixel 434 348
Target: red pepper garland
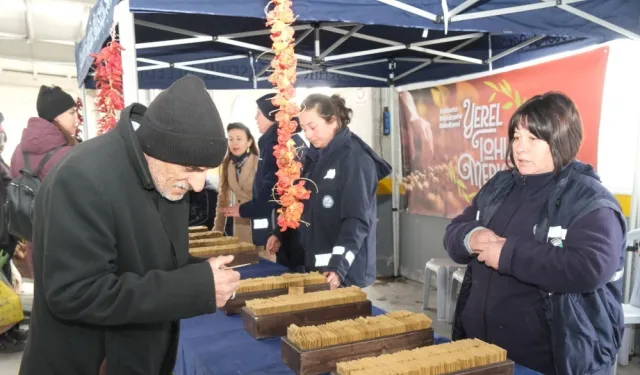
pixel 108 79
pixel 290 186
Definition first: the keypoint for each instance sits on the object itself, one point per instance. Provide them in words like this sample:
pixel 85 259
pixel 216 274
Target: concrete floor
pixel 386 294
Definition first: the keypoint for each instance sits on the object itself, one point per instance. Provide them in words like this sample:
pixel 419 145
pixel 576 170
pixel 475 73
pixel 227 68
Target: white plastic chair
pixel 631 310
pixel 443 268
pixel 26 296
pixel 454 285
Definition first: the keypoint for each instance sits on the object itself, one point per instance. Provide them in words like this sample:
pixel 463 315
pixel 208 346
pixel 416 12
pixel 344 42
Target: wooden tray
pixel 204 235
pixel 213 241
pixel 502 368
pixel 245 257
pixel 274 325
pixel 234 306
pixel 324 360
pixel 198 229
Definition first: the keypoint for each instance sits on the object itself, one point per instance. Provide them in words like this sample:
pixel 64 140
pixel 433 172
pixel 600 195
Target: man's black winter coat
pixel 112 270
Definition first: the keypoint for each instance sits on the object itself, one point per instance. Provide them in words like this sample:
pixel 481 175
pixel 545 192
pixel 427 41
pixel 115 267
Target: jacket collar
pixel 336 143
pixel 125 129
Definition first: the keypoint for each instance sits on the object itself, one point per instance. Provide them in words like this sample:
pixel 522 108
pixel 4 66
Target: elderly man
pixel 113 275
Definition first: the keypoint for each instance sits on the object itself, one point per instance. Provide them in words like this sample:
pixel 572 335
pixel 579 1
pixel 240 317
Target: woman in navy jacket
pixel 340 240
pixel 544 243
pixel 262 208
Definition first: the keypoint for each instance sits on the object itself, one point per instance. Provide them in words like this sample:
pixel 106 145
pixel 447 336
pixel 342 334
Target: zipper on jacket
pixel 486 296
pixel 484 310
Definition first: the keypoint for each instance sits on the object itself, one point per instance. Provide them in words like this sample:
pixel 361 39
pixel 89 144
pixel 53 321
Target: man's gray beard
pixel 164 194
pixel 167 197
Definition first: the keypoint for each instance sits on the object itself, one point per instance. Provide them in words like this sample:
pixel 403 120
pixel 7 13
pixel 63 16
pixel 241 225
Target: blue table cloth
pixel 217 344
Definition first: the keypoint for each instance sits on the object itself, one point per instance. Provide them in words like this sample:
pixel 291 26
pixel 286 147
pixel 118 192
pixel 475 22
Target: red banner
pixel 454 137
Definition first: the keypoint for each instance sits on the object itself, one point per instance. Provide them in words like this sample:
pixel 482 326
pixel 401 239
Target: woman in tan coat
pixel 237 173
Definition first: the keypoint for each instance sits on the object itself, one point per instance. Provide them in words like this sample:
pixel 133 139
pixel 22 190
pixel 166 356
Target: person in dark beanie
pixel 48 135
pixel 261 208
pixel 113 274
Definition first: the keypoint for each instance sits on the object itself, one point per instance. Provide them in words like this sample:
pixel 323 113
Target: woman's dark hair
pixel 553 118
pixel 329 107
pixel 253 149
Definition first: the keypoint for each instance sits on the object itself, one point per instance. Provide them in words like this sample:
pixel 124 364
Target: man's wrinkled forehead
pixel 196 169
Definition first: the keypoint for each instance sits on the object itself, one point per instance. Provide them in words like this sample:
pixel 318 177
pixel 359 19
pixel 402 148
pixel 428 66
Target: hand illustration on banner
pixel 455 136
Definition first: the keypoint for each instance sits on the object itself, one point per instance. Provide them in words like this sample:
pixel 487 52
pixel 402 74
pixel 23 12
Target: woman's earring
pixel 248 149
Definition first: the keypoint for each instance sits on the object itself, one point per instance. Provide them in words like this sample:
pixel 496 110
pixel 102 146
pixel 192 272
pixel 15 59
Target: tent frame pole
pixel 456 16
pixel 490 53
pixel 340 41
pixel 598 21
pixel 161 65
pixel 396 165
pixel 410 9
pixel 445 54
pixel 461 8
pixel 397 46
pixel 363 63
pixel 437 59
pixel 508 10
pixel 85 123
pixel 123 17
pixel 515 48
pixel 253 70
pixel 174 42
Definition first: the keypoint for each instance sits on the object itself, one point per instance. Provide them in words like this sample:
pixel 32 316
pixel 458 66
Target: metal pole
pixel 316 44
pixel 85 125
pixel 490 59
pixel 124 19
pixel 395 191
pixel 634 223
pixel 253 70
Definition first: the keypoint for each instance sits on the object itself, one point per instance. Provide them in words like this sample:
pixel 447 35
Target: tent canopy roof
pixel 539 17
pixel 367 47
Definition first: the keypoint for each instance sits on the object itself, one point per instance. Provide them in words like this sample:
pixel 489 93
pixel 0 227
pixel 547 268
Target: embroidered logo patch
pixel 331 174
pixel 327 201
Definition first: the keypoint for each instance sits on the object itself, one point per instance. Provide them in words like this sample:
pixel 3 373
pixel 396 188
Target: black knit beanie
pixel 269 110
pixel 52 102
pixel 266 107
pixel 182 126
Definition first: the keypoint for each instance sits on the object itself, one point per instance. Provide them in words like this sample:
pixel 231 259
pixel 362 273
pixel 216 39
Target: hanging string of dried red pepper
pixel 290 187
pixel 108 79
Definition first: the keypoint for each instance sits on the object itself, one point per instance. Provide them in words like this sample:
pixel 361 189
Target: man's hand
pixel 489 252
pixel 226 281
pixel 480 238
pixel 333 279
pixel 233 211
pixel 273 245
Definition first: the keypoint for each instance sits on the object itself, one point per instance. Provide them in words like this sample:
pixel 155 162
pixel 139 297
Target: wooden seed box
pixel 234 306
pixel 241 258
pixel 324 360
pixel 502 368
pixel 275 325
